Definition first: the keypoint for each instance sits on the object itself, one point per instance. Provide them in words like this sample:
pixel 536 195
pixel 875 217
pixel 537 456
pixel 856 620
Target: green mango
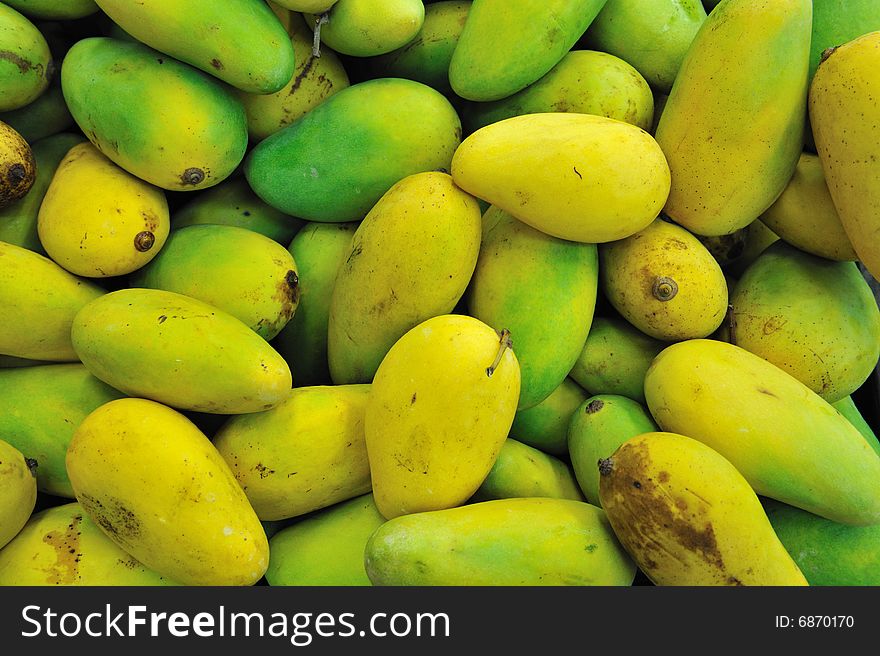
pixel 426 58
pixel 600 425
pixel 541 288
pixel 26 64
pixel 305 454
pixel 364 28
pixel 319 250
pixel 47 115
pixel 826 552
pixel 62 546
pixel 54 9
pixel 615 359
pixel 545 425
pixel 241 42
pixel 335 162
pixel 325 548
pixel 159 119
pixel 233 202
pixel 241 272
pixel 386 287
pixel 41 407
pixel 836 22
pixel 505 47
pixel 847 407
pixel 18 221
pixel 584 81
pixel 179 351
pixel 652 35
pixel 814 318
pixel 523 471
pixel 522 542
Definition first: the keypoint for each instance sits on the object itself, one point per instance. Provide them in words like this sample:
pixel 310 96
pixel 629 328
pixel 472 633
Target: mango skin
pixel 488 62
pixel 836 22
pixel 664 282
pixel 61 546
pixel 159 489
pixel 54 10
pixel 847 407
pixel 240 42
pixel 828 338
pixel 689 518
pixel 307 6
pixel 506 542
pixel 827 553
pixel 536 286
pixel 845 89
pixel 523 471
pixel 436 418
pixel 17 166
pixel 386 286
pixel 233 202
pixel 325 548
pixel 159 119
pixel 323 166
pixel 788 442
pixel 545 426
pixel 724 177
pixel 18 221
pixel 366 28
pixel 615 358
pixel 39 301
pixel 238 271
pixel 574 176
pixel 320 250
pixel 585 82
pixel 41 407
pixel 26 64
pixel 18 491
pixel 596 429
pixel 43 117
pixel 305 454
pixel 179 351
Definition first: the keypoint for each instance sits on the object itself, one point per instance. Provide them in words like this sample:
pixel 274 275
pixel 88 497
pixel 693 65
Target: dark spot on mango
pixel 216 63
pixel 113 516
pixel 192 176
pixel 64 571
pixel 162 318
pixel 143 241
pixel 15 174
pixel 23 64
pixel 32 466
pixel 413 399
pixel 594 406
pixel 763 390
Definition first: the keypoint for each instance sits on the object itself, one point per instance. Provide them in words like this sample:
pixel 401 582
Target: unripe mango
pixel 18 491
pixel 26 65
pixel 43 117
pixel 365 28
pixel 53 9
pixel 847 407
pixel 545 426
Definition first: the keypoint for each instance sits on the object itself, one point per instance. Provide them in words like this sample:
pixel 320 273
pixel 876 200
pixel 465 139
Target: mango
pixel 846 89
pixel 191 132
pixel 836 22
pixel 523 471
pixel 61 546
pixel 53 9
pixel 180 351
pixel 574 176
pixel 541 288
pixel 811 317
pixel 39 301
pixel 241 42
pixel 653 36
pixel 17 166
pixel 325 548
pixel 440 407
pixel 488 62
pixel 26 64
pixel 664 282
pixel 758 238
pixel 43 117
pixel 847 407
pixel 41 407
pixel 826 552
pixel 18 491
pixel 585 82
pixel 158 488
pixel 317 170
pixel 387 285
pixel 18 220
pixel 365 28
pixel 305 454
pixel 615 358
pixel 596 429
pixel 307 6
pixel 507 542
pixel 232 202
pixel 788 442
pixel 688 517
pixel 545 426
pixel 238 271
pixel 724 176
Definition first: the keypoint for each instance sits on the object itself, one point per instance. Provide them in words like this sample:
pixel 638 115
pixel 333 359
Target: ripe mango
pixel 18 491
pixel 17 166
pixel 365 28
pixel 26 64
pixel 545 425
pixel 788 442
pixel 180 351
pixel 500 543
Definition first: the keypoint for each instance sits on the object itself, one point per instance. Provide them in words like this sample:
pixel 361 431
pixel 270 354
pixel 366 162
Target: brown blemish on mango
pixel 65 570
pixel 113 517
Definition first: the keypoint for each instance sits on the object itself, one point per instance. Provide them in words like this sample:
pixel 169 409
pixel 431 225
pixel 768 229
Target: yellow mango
pixel 573 176
pixel 18 491
pixel 159 489
pixel 440 407
pixel 98 220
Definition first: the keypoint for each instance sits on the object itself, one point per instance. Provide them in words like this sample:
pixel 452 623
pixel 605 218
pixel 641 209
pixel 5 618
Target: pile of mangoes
pixel 393 292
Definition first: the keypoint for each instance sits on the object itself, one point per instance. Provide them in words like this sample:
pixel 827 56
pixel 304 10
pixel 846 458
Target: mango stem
pixel 316 43
pixel 505 343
